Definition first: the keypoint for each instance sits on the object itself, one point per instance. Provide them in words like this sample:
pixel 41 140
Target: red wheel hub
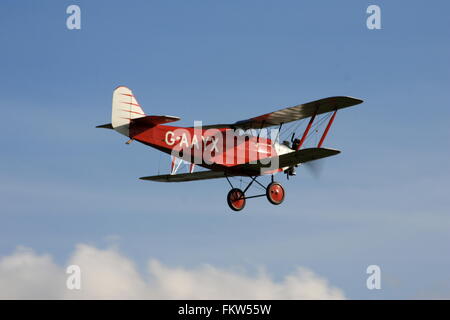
pixel 275 193
pixel 236 199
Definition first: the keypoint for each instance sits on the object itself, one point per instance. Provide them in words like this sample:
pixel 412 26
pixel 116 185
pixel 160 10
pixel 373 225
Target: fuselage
pixel 217 149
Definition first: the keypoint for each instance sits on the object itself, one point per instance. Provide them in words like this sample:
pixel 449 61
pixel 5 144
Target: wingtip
pixel 356 100
pixel 149 178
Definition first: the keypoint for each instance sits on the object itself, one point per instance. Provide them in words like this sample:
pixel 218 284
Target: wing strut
pixel 305 134
pixel 326 129
pixel 175 164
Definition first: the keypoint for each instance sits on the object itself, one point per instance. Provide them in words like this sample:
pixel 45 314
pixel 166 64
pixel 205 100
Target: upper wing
pixel 201 175
pixel 295 113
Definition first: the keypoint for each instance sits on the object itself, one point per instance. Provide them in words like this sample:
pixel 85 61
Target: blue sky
pixel 383 201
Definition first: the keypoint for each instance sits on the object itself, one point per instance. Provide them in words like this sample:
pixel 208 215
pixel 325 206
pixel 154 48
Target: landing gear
pixel 236 199
pixel 275 193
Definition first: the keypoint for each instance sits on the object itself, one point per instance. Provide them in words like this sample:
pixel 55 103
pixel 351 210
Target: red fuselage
pixel 211 148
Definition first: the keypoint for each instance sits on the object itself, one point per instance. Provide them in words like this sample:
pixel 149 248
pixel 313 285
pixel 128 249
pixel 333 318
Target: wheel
pixel 275 193
pixel 236 199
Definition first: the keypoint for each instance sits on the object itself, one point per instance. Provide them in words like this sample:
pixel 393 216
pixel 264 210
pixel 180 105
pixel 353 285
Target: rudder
pixel 125 107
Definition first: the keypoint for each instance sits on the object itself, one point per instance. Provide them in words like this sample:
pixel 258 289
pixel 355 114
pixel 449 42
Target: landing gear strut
pixel 236 198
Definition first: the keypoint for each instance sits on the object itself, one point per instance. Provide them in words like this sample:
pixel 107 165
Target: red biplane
pixel 228 150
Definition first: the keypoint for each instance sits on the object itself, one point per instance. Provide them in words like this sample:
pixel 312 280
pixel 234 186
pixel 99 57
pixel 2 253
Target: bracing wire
pixel 159 164
pixel 293 127
pixel 316 126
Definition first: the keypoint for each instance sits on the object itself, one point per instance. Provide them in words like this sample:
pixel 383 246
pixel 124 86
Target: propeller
pixel 315 168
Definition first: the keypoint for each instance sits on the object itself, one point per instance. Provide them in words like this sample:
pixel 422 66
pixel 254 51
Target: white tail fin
pixel 124 108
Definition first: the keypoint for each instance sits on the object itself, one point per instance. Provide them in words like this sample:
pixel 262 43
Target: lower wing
pixel 287 160
pixel 248 169
pixel 201 175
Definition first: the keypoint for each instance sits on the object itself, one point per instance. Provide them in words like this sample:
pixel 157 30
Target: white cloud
pixel 107 274
pixel 25 275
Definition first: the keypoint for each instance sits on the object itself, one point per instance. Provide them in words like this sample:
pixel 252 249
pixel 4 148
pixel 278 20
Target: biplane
pixel 229 150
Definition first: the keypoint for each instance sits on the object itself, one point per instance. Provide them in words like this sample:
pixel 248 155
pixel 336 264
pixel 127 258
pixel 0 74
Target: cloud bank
pixel 107 274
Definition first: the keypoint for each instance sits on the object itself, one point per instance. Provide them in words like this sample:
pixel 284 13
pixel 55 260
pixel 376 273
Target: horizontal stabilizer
pixel 105 126
pixel 153 120
pixel 201 175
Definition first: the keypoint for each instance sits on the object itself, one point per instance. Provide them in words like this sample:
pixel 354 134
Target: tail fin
pixel 124 108
pixel 126 113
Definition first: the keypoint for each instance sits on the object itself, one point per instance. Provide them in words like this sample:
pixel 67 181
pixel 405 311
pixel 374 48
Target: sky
pixel 70 193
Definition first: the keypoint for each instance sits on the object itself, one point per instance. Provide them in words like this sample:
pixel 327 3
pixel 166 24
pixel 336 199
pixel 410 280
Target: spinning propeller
pixel 315 167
